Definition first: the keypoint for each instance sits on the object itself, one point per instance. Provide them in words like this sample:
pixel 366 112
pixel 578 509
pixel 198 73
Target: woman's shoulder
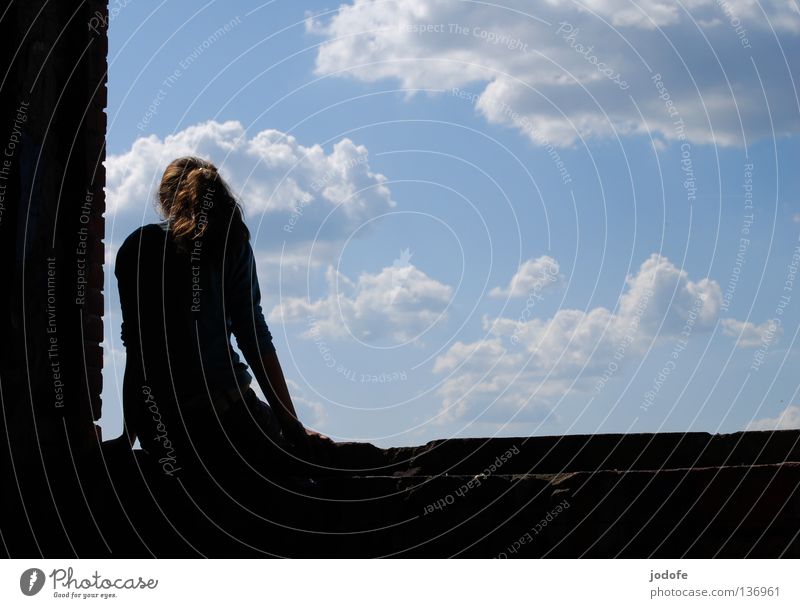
pixel 141 236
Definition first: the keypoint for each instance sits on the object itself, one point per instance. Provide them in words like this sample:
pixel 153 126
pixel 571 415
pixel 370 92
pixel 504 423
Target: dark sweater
pixel 179 309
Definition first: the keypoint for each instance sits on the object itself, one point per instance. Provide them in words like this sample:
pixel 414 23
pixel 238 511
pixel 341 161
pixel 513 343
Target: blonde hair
pixel 197 202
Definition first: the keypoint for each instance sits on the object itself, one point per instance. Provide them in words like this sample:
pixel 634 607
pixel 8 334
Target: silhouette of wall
pixel 54 123
pixel 52 103
pixel 634 496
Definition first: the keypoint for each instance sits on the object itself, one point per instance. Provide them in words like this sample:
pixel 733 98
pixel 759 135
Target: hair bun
pixel 207 172
pixel 185 184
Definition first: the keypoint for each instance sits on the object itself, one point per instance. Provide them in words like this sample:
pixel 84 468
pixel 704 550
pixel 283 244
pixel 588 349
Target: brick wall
pixel 52 227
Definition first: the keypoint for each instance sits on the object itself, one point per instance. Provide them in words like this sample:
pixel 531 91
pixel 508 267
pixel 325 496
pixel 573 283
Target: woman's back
pixel 186 285
pixel 174 312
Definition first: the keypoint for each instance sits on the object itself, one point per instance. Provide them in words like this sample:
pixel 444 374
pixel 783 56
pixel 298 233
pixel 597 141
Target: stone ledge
pixel 548 454
pixel 724 511
pixel 131 509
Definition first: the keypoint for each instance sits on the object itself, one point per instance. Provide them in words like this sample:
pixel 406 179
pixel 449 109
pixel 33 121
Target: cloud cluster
pixel 522 362
pixel 533 276
pixel 397 304
pixel 750 335
pixel 562 70
pixel 787 419
pixel 298 189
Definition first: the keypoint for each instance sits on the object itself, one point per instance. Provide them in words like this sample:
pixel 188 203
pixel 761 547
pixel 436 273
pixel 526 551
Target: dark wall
pixel 52 146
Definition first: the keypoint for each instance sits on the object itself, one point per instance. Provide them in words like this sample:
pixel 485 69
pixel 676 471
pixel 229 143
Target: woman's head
pixel 197 202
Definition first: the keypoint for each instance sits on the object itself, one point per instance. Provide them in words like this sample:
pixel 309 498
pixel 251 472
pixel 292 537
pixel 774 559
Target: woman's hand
pixel 308 444
pixel 297 436
pixel 314 435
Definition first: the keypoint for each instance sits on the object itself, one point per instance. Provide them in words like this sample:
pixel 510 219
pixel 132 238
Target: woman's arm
pixel 130 392
pixel 269 375
pixel 255 342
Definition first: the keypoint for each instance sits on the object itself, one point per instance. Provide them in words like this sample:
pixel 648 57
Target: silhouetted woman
pixel 185 285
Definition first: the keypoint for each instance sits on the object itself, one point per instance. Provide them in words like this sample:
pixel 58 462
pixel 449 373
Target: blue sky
pixel 480 219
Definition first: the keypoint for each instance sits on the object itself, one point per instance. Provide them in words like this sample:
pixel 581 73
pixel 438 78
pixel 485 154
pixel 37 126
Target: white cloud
pixel 750 335
pixel 541 358
pixel 670 297
pixel 567 341
pixel 312 413
pixel 659 300
pixel 787 419
pixel 533 276
pixel 490 382
pixel 399 302
pixel 294 186
pixel 559 70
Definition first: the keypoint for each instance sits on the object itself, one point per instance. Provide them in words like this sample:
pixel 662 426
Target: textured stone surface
pixel 442 500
